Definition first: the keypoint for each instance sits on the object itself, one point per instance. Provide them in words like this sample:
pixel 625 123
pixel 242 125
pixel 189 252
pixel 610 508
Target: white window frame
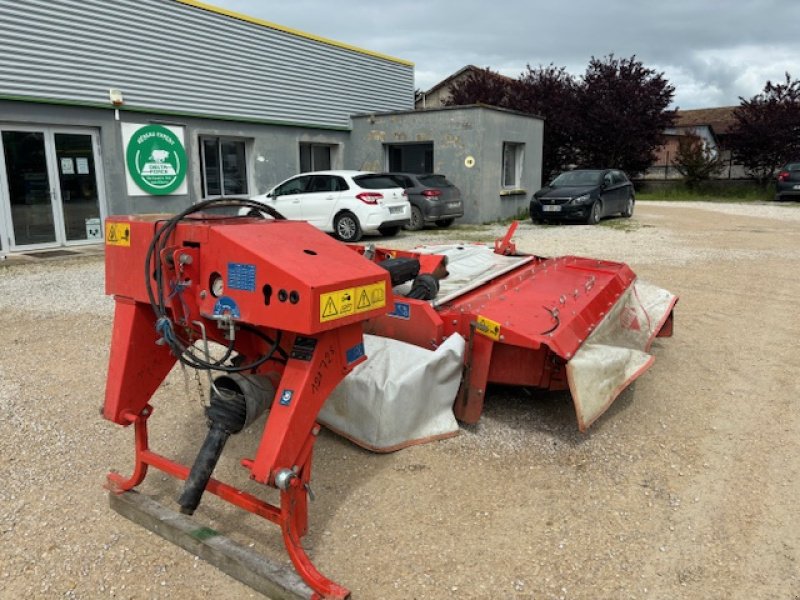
pixel 517 152
pixel 220 139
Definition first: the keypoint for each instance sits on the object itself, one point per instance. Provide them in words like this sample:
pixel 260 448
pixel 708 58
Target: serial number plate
pixel 797 187
pixel 548 208
pixel 395 210
pixel 453 204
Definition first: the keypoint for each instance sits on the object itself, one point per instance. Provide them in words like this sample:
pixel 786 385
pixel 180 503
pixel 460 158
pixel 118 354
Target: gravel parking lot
pixel 687 488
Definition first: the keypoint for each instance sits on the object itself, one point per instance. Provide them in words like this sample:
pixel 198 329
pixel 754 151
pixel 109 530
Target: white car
pixel 345 203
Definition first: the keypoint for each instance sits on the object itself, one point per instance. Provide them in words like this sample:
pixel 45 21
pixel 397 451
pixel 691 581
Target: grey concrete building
pixel 151 105
pixel 493 155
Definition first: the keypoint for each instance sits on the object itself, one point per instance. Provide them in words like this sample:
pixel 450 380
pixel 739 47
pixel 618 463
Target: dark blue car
pixel 586 195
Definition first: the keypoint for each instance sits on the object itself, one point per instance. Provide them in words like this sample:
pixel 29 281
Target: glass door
pixel 50 193
pixel 77 186
pixel 28 189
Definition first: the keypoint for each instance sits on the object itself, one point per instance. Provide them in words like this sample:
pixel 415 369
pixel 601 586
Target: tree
pixel 483 86
pixel 548 92
pixel 551 92
pixel 695 160
pixel 614 117
pixel 623 108
pixel 766 131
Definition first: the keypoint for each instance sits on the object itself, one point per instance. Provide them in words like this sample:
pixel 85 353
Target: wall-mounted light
pixel 116 97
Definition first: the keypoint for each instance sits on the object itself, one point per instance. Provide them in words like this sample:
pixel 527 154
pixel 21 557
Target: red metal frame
pixel 287 281
pixel 280 278
pixel 291 515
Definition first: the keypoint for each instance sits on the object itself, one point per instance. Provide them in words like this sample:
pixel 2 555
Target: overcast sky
pixel 711 51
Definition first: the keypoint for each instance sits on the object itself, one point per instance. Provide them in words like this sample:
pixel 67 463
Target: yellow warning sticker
pixel 118 234
pixel 370 297
pixel 489 328
pixel 347 302
pixel 336 305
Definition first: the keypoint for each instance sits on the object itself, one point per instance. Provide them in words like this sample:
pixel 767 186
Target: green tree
pixel 695 160
pixel 623 114
pixel 766 132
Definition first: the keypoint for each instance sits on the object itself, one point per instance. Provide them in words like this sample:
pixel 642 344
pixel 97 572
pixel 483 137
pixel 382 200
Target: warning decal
pixel 350 301
pixel 487 327
pixel 118 234
pixel 370 297
pixel 336 305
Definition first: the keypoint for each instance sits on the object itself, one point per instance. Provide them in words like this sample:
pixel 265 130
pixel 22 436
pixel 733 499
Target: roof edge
pixel 519 113
pixel 268 24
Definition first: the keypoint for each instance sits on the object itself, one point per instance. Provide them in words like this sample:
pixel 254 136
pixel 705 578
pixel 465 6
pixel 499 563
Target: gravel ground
pixel 686 488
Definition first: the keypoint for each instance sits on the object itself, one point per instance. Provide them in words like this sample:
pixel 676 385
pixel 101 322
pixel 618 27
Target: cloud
pixel 711 52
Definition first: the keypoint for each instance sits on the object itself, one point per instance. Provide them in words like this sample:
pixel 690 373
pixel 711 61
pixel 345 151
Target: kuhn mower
pixel 286 308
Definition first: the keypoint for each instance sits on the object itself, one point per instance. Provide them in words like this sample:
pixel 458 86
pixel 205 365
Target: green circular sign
pixel 156 160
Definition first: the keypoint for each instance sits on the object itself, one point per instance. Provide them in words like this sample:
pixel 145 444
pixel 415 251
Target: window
pixel 512 165
pixel 315 157
pixel 224 167
pixel 410 158
pixel 297 185
pixel 327 183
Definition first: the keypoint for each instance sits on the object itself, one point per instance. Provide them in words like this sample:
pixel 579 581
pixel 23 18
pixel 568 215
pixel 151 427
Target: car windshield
pixel 375 182
pixel 792 167
pixel 435 181
pixel 570 178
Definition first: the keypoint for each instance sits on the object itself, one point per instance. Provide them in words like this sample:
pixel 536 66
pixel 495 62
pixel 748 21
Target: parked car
pixel 434 200
pixel 584 194
pixel 345 203
pixel 788 182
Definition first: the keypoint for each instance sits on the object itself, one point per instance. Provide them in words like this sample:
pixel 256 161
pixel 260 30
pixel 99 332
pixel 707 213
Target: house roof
pixel 720 119
pixel 462 71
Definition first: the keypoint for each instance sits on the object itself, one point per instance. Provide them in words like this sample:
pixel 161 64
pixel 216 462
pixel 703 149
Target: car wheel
pixel 346 227
pixel 445 223
pixel 594 213
pixel 628 212
pixel 389 231
pixel 416 222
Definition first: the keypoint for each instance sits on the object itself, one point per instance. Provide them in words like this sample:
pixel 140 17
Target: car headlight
pixel 582 199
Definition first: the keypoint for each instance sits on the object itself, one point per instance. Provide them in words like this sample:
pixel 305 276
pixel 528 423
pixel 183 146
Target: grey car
pixel 787 185
pixel 434 200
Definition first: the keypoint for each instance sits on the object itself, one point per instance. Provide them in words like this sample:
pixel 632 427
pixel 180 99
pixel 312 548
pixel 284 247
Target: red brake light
pixel 783 175
pixel 369 197
pixel 431 193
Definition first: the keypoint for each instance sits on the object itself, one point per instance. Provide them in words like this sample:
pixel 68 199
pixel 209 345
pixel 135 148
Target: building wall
pixel 167 55
pixel 273 151
pixel 459 133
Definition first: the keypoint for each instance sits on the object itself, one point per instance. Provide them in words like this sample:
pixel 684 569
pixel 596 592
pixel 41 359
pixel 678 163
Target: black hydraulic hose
pixel 227 414
pixel 202 468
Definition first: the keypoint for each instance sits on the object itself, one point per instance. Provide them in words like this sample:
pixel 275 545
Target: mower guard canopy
pixel 552 323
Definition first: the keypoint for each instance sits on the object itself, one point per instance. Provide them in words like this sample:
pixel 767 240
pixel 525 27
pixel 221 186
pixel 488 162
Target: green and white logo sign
pixel 156 160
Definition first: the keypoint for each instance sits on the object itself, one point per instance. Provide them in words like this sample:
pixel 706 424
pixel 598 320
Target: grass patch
pixel 523 214
pixel 708 191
